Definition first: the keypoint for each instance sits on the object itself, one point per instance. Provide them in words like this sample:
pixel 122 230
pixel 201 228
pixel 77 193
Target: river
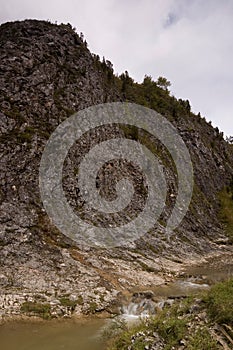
pixel 86 334
pixel 52 335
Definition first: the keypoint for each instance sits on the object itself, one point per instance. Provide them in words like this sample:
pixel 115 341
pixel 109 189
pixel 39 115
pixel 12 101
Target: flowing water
pixel 134 310
pixel 162 295
pixel 86 334
pixel 202 277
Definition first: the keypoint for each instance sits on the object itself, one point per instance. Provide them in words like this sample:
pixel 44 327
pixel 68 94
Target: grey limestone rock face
pixel 46 74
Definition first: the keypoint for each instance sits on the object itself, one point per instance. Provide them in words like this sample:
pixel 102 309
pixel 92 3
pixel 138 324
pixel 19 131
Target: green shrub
pixel 67 302
pixel 202 340
pixel 38 309
pixel 119 335
pixel 226 210
pixel 171 328
pixel 171 324
pixel 92 307
pixel 220 302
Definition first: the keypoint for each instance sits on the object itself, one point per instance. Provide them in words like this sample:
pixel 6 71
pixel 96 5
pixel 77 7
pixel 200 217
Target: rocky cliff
pixel 46 74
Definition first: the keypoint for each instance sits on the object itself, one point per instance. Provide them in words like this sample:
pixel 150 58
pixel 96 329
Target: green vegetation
pixel 67 302
pixel 134 133
pixel 25 137
pixel 92 307
pixel 163 83
pixel 220 302
pixel 171 328
pixel 37 309
pixel 179 323
pixel 202 340
pixel 166 324
pixel 150 93
pixel 120 335
pixel 226 209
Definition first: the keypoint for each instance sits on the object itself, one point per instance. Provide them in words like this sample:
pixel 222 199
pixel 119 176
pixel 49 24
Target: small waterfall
pixel 144 304
pixel 161 304
pixel 142 308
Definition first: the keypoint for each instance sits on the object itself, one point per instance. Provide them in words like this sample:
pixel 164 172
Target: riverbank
pixel 178 308
pixel 200 322
pixel 22 305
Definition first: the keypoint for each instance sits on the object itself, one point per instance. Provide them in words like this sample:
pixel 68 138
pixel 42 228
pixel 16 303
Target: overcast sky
pixel 190 42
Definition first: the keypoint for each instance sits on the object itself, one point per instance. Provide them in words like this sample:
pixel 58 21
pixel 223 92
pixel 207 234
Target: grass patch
pixel 172 329
pixel 202 340
pixel 120 335
pixel 226 210
pixel 37 309
pixel 173 323
pixel 92 307
pixel 219 302
pixel 65 301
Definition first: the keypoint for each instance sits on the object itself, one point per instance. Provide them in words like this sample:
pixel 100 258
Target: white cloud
pixel 189 42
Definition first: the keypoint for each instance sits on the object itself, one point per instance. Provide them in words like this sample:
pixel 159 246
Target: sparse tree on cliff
pixel 163 83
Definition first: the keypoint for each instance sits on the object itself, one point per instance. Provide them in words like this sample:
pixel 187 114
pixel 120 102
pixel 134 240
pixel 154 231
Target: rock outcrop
pixel 46 74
